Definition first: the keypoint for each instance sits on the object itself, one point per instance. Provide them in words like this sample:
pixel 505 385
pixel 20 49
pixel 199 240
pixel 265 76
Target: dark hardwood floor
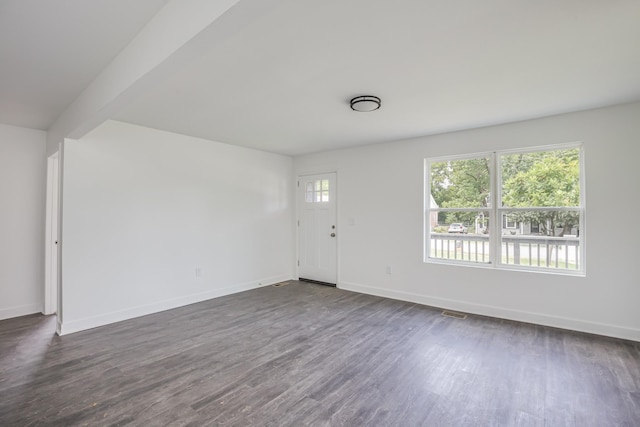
pixel 306 354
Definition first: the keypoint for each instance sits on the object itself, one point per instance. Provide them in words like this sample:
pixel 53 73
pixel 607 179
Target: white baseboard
pixel 22 310
pixel 68 327
pixel 499 312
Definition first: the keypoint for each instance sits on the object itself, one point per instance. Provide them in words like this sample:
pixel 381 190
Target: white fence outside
pixel 531 251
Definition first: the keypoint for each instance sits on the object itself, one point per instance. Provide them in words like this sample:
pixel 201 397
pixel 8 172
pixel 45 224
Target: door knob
pixel 333 234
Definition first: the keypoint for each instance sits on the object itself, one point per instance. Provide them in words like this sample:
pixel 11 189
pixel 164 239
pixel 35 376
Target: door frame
pixel 52 228
pixel 296 184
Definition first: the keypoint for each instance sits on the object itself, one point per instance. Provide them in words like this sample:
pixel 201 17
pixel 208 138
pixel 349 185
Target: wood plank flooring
pixel 310 355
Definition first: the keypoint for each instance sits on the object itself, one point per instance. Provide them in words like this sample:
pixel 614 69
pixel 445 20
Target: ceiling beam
pixel 180 32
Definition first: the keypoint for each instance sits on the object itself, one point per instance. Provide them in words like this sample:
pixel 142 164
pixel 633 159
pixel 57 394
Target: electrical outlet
pixel 198 272
pixel 389 269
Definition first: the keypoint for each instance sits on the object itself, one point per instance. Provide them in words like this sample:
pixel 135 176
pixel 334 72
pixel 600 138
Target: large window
pixel 519 209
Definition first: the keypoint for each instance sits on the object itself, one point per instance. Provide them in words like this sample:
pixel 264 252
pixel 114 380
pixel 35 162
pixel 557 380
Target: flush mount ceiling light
pixel 365 103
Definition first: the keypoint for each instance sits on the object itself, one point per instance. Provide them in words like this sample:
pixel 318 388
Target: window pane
pixel 464 238
pixel 325 196
pixel 509 221
pixel 461 183
pixel 541 238
pixel 308 196
pixel 541 179
pixel 325 184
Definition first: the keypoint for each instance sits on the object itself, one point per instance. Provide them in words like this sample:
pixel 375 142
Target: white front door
pixel 317 230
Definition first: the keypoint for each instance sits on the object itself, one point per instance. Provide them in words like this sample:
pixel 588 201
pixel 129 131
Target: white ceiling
pixel 50 50
pixel 283 81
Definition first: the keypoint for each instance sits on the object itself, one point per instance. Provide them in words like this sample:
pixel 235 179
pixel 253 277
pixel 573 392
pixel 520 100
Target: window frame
pixel 496 212
pixel 507 221
pixel 318 193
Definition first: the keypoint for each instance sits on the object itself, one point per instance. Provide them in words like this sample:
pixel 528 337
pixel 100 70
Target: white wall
pixel 22 207
pixel 143 208
pixel 381 188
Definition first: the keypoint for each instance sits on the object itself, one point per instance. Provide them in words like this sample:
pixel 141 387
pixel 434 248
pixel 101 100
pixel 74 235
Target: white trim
pixel 60 296
pixel 455 157
pixel 479 209
pixel 495 222
pixel 541 208
pixel 540 148
pixel 21 310
pixel 143 310
pixel 426 210
pixel 499 312
pixel 583 204
pixel 51 235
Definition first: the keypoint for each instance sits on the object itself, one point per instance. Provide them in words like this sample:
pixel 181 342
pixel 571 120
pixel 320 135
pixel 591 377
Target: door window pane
pixel 317 191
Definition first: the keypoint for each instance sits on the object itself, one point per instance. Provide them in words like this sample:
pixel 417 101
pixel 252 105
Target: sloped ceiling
pixel 51 50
